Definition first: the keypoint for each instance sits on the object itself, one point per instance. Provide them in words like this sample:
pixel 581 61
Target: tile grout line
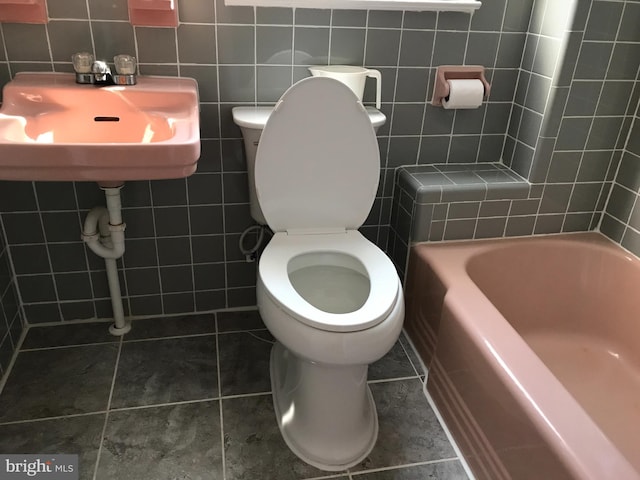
pixel 222 443
pixel 106 416
pixel 447 432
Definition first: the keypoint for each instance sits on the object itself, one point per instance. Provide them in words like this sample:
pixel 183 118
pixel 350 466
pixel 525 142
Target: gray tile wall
pixel 182 235
pixel 574 103
pixel 621 220
pixel 10 318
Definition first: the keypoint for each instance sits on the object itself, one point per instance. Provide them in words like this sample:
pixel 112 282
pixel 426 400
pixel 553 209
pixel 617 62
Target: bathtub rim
pixel 558 417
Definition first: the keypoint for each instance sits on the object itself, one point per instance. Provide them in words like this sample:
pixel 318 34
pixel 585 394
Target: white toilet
pixel 331 298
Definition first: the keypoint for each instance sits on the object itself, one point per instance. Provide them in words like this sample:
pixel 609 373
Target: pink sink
pixel 54 129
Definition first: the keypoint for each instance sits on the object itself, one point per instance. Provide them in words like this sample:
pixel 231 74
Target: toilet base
pixel 326 414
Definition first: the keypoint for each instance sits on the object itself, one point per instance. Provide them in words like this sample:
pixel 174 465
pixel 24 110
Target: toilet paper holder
pixel 456 72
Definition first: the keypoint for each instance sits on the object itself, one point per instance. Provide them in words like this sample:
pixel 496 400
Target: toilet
pixel 330 297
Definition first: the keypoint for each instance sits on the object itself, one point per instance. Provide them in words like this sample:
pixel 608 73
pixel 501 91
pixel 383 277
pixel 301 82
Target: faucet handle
pixel 82 62
pixel 125 64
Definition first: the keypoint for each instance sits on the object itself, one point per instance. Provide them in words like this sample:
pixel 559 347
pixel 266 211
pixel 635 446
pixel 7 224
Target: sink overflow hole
pixel 106 119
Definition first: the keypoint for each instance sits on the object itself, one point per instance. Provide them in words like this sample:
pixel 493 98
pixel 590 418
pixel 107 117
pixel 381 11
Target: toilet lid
pixel 317 165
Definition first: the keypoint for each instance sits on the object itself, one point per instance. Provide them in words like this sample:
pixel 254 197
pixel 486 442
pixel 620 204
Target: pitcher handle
pixel 376 74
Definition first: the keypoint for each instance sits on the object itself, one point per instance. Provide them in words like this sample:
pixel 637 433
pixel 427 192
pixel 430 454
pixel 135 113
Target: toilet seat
pixel 383 279
pixel 318 162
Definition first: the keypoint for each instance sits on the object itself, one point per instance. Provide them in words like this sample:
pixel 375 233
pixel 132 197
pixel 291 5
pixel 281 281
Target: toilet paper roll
pixel 464 94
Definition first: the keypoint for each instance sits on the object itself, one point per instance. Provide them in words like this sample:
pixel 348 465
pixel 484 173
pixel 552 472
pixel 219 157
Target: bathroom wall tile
pixel 72 435
pixel 25 42
pixel 239 320
pixel 312 16
pixel 236 44
pixel 583 98
pixel 604 20
pixel 112 38
pixel 584 197
pixel 67 38
pixel 347 46
pixel 176 279
pixel 624 62
pixel 311 46
pixel 349 18
pixel 17 196
pixel 620 203
pixel 470 121
pixel 593 60
pixel 42 312
pixel 453 21
pixel 67 257
pixel 233 14
pixel 407 119
pixel 274 16
pixel 556 199
pixel 604 133
pixel 273 45
pixel 628 27
pixel 382 19
pixel 112 10
pixel 67 9
pixel 207 248
pixel 209 276
pixel 150 434
pixel 449 48
pixel 520 226
pixel 382 47
pixel 204 189
pixel 272 82
pixel 410 55
pixel 197 44
pixel 420 20
pixel 66 335
pixel 573 133
pixel 173 303
pixel 162 371
pixel 156 45
pixel 73 286
pixel 171 327
pixel 482 48
pixel 488 18
pixel 29 259
pixel 37 288
pixel 412 85
pixel 40 381
pixel 546 224
pixel 196 11
pixel 171 221
pixel 615 98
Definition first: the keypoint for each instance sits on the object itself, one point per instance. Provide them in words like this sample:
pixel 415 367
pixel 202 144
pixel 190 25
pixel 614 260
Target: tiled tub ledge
pixel 454 202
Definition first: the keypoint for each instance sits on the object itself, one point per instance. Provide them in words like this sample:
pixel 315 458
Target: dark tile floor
pixel 189 398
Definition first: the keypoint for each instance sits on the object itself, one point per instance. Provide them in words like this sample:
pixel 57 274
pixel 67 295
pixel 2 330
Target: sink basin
pixel 54 129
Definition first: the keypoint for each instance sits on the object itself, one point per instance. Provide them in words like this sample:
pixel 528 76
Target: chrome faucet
pixel 102 72
pixel 98 72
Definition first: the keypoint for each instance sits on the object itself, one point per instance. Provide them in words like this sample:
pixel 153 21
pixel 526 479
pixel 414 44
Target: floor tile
pixel 163 371
pixel 74 435
pixel 241 320
pixel 254 448
pixel 71 334
pixel 447 470
pixel 171 326
pixel 163 443
pixel 409 430
pixel 413 357
pixel 394 364
pixel 63 381
pixel 244 362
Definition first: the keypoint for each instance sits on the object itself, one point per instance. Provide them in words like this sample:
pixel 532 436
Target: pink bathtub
pixel 533 348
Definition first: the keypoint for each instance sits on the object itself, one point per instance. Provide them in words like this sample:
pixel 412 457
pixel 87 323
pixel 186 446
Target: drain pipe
pixel 104 234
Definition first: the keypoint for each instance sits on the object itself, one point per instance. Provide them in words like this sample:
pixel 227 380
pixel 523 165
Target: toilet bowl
pixel 330 297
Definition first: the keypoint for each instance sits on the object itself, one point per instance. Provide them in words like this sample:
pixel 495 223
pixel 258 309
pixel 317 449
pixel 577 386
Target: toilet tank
pixel 251 121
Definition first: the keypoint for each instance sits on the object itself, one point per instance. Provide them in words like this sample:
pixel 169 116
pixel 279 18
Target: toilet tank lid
pixel 256 117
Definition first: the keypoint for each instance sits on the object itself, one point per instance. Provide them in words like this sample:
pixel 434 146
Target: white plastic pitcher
pixel 352 77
